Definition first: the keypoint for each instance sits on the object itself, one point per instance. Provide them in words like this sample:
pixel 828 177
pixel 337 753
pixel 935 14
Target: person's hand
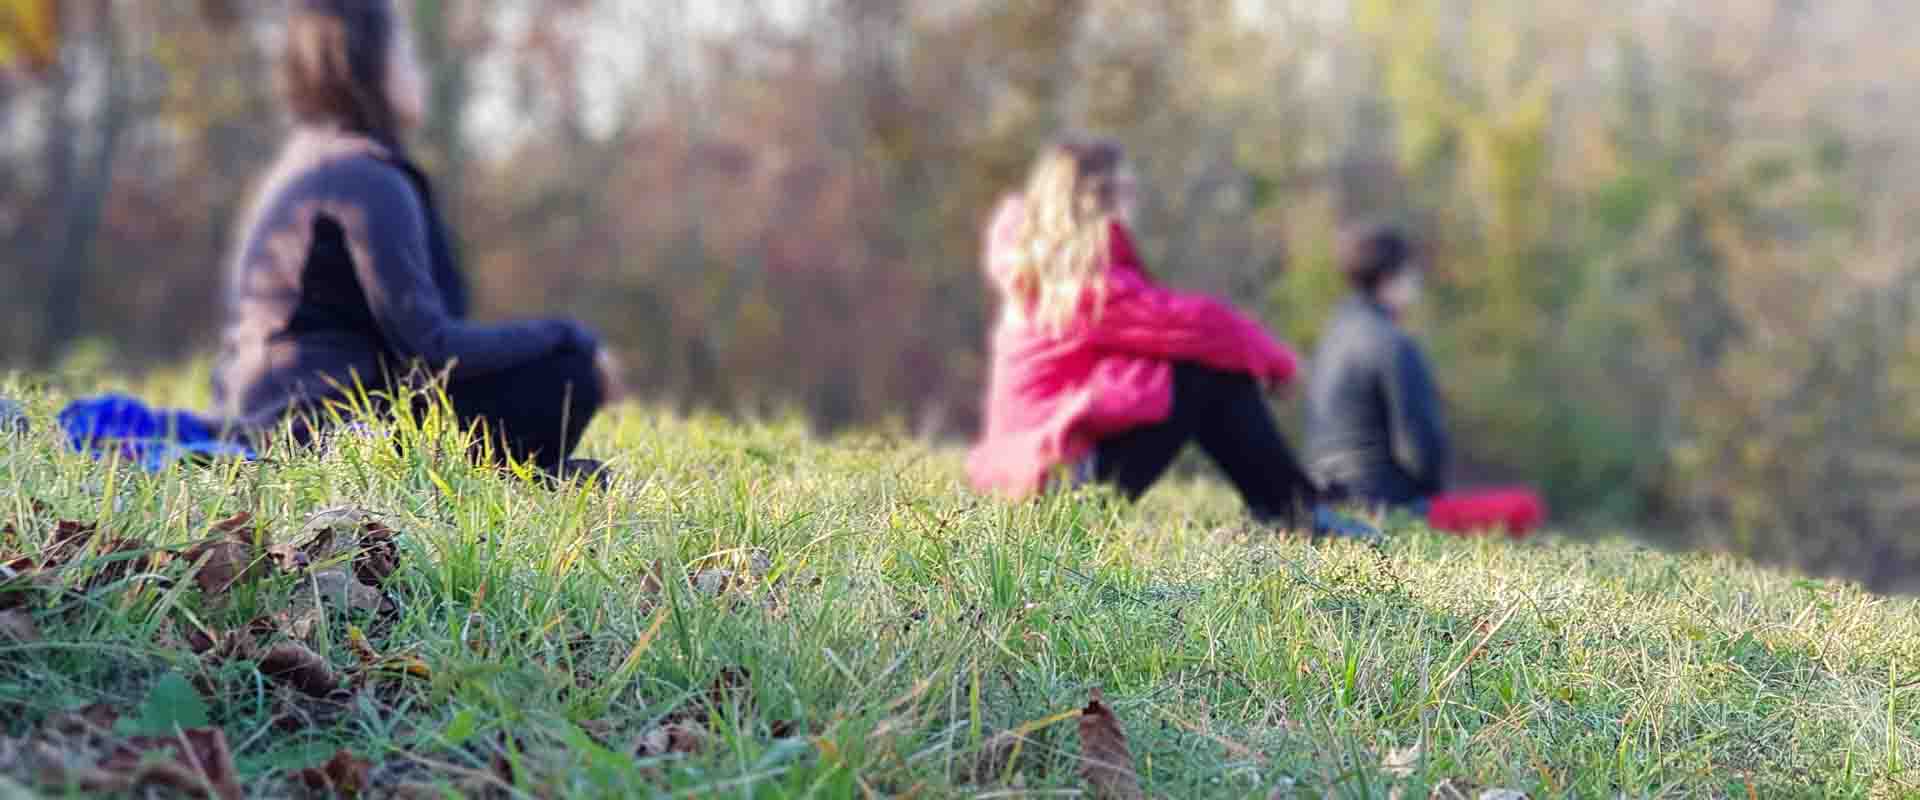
pixel 612 375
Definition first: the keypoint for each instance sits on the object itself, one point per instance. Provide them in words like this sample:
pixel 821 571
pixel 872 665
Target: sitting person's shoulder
pixel 334 160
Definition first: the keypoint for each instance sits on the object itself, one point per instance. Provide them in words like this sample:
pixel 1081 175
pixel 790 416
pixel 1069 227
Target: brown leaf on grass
pixel 652 580
pixel 345 775
pixel 1403 762
pixel 69 539
pixel 378 556
pixel 73 542
pixel 682 737
pixel 231 558
pixel 362 649
pixel 686 730
pixel 1104 759
pixel 990 764
pixel 373 663
pixel 194 762
pixel 21 579
pixel 354 538
pixel 718 581
pixel 219 646
pixel 732 688
pixel 97 719
pixel 17 626
pixel 337 589
pixel 294 665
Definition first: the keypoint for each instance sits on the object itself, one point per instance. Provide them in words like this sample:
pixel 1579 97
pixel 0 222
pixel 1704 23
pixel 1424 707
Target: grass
pixel 893 628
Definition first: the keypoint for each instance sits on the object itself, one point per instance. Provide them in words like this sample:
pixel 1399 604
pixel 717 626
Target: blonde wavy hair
pixel 1071 201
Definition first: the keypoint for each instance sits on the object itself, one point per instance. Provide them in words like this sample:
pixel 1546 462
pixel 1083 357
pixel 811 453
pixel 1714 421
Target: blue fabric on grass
pixel 155 439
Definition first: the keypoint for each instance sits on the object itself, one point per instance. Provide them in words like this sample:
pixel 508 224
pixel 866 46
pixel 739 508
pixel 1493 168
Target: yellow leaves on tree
pixel 29 33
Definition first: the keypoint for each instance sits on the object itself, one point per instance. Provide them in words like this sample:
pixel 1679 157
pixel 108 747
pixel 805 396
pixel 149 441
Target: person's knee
pixel 579 375
pixel 1197 381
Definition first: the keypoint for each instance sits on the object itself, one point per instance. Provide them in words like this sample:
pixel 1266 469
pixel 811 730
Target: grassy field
pixel 752 612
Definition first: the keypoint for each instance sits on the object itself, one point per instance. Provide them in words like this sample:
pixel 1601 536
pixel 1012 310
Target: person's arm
pixel 1142 319
pixel 1413 409
pixel 385 226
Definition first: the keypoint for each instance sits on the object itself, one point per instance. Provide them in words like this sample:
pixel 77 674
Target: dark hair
pixel 1373 254
pixel 1094 155
pixel 333 65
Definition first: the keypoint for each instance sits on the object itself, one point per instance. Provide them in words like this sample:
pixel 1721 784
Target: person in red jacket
pixel 1095 365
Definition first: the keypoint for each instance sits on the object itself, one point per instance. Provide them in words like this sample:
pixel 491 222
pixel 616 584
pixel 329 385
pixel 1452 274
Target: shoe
pixel 1328 523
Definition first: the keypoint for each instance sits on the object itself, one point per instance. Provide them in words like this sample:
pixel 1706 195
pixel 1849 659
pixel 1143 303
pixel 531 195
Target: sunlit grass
pixel 892 624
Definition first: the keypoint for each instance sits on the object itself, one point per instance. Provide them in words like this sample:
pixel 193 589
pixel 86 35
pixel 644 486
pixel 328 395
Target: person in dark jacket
pixel 344 277
pixel 1374 425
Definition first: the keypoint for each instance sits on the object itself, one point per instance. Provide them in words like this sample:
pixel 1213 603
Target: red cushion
pixel 1517 511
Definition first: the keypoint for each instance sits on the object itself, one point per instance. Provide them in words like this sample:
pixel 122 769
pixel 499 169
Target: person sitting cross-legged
pixel 345 274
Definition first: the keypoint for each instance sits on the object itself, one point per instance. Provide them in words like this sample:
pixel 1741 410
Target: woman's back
pixel 296 310
pixel 343 276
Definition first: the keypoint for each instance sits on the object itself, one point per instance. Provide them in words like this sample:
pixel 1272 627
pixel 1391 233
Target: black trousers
pixel 1227 415
pixel 535 412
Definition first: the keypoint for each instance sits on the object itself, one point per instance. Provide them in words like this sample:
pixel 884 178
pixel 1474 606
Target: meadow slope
pixel 752 612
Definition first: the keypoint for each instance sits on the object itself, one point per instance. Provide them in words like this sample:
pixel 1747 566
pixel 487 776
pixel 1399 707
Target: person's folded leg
pixel 537 412
pixel 1134 461
pixel 1240 435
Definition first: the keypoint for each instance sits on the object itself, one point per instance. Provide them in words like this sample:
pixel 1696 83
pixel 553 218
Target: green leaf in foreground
pixel 172 704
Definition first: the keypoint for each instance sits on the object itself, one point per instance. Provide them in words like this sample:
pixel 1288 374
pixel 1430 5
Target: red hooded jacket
pixel 1052 396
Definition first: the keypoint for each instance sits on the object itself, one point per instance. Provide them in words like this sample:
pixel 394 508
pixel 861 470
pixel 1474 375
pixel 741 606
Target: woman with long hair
pixel 344 276
pixel 1097 366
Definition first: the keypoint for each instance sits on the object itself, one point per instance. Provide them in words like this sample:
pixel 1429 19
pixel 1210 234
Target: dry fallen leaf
pixel 69 539
pixel 345 775
pixel 231 559
pixel 351 536
pixel 72 542
pixel 21 580
pixel 17 626
pixel 682 737
pixel 362 649
pixel 293 664
pixel 378 556
pixel 990 764
pixel 686 729
pixel 652 582
pixel 1104 759
pixel 717 581
pixel 195 762
pixel 97 719
pixel 1401 763
pixel 338 589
